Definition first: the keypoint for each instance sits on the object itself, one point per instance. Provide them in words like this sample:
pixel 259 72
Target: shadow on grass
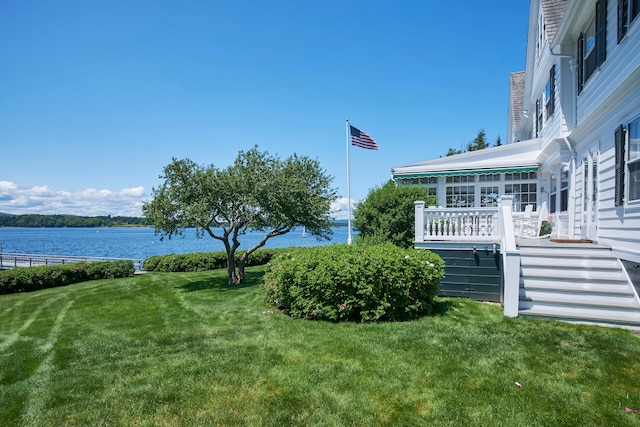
pixel 251 279
pixel 441 308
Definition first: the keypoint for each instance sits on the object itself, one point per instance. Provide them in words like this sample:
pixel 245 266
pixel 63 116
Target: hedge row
pixel 203 261
pixel 35 278
pixel 361 283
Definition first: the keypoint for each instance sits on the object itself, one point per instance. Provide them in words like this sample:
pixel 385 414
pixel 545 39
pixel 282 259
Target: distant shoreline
pixel 74 221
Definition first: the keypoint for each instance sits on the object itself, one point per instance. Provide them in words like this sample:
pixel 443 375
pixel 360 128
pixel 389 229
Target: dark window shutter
pixel 619 168
pixel 536 119
pixel 623 18
pixel 601 32
pixel 580 61
pixel 552 91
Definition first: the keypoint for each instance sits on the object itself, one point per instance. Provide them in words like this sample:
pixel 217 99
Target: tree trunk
pixel 241 264
pixel 231 268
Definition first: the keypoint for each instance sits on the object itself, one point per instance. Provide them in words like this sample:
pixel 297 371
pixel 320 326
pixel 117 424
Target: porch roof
pixel 517 157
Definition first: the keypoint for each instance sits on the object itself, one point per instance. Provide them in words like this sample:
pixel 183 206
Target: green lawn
pixel 186 349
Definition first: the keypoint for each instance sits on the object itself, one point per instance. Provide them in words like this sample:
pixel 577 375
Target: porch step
pixel 567 251
pixel 624 301
pixel 574 273
pixel 596 262
pixel 580 282
pixel 581 314
pixel 544 284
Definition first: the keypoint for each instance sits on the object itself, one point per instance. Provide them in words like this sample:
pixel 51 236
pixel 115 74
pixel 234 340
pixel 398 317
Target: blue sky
pixel 98 96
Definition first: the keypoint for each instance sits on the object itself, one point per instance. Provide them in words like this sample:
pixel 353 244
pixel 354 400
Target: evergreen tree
pixel 479 143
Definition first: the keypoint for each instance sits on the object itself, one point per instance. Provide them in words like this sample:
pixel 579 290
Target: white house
pixel 573 149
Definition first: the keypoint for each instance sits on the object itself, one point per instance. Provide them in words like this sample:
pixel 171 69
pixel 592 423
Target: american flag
pixel 361 139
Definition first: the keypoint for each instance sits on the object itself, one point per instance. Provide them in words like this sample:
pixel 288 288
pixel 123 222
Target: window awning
pixel 428 174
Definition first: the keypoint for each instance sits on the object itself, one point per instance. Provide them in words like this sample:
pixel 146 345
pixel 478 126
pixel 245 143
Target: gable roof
pixel 552 11
pixel 522 156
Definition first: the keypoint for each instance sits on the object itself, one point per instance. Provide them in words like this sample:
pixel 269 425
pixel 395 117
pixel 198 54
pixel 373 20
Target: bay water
pixel 138 242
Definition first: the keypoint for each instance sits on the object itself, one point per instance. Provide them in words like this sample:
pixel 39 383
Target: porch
pixel 500 257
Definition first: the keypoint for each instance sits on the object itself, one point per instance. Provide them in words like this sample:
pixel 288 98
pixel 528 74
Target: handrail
pixel 19 260
pixel 510 259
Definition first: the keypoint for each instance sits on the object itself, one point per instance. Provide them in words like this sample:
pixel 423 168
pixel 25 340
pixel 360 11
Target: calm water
pixel 136 242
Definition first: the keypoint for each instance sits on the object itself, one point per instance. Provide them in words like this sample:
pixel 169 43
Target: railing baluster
pixel 460 223
pixel 447 223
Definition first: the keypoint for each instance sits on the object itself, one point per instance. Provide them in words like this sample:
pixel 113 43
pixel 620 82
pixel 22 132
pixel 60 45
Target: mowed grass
pixel 171 349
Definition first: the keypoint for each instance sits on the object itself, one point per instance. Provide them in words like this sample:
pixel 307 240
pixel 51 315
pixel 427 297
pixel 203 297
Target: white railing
pixel 15 260
pixel 477 224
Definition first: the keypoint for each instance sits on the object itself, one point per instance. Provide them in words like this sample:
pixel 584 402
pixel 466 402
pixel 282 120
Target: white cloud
pixel 340 208
pixel 133 192
pixel 89 202
pixel 6 187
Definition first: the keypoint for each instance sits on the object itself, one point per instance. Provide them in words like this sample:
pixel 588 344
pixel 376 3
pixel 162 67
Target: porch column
pixel 510 259
pixel 419 221
pixel 572 197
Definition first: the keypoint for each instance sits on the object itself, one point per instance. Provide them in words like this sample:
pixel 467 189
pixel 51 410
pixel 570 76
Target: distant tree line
pixel 60 221
pixel 479 143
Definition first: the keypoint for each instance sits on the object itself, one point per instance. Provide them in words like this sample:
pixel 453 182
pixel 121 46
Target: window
pixel 592 45
pixel 458 193
pixel 589 195
pixel 553 196
pixel 564 191
pixel 627 160
pixel 541 31
pixel 489 197
pixel 589 55
pixel 538 116
pixel 430 182
pixel 634 160
pixel 550 92
pixel 461 178
pixel 523 194
pixel 627 11
pixel 517 176
pixel 494 177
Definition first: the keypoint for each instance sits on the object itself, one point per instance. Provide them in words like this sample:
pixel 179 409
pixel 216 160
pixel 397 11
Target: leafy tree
pixel 498 141
pixel 388 214
pixel 258 192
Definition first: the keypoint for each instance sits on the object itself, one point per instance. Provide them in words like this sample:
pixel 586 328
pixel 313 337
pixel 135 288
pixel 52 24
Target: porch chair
pixel 532 221
pixel 520 218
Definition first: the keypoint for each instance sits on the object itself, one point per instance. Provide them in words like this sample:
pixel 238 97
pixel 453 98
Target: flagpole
pixel 348 186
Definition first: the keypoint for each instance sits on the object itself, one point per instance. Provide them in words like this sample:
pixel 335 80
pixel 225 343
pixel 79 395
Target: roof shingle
pixel 552 12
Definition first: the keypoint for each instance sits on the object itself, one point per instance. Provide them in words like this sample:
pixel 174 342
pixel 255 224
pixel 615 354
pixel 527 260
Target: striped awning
pixel 429 174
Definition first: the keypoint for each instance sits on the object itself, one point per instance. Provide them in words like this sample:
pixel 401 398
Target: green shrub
pixel 202 261
pixel 354 283
pixel 388 214
pixel 35 278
